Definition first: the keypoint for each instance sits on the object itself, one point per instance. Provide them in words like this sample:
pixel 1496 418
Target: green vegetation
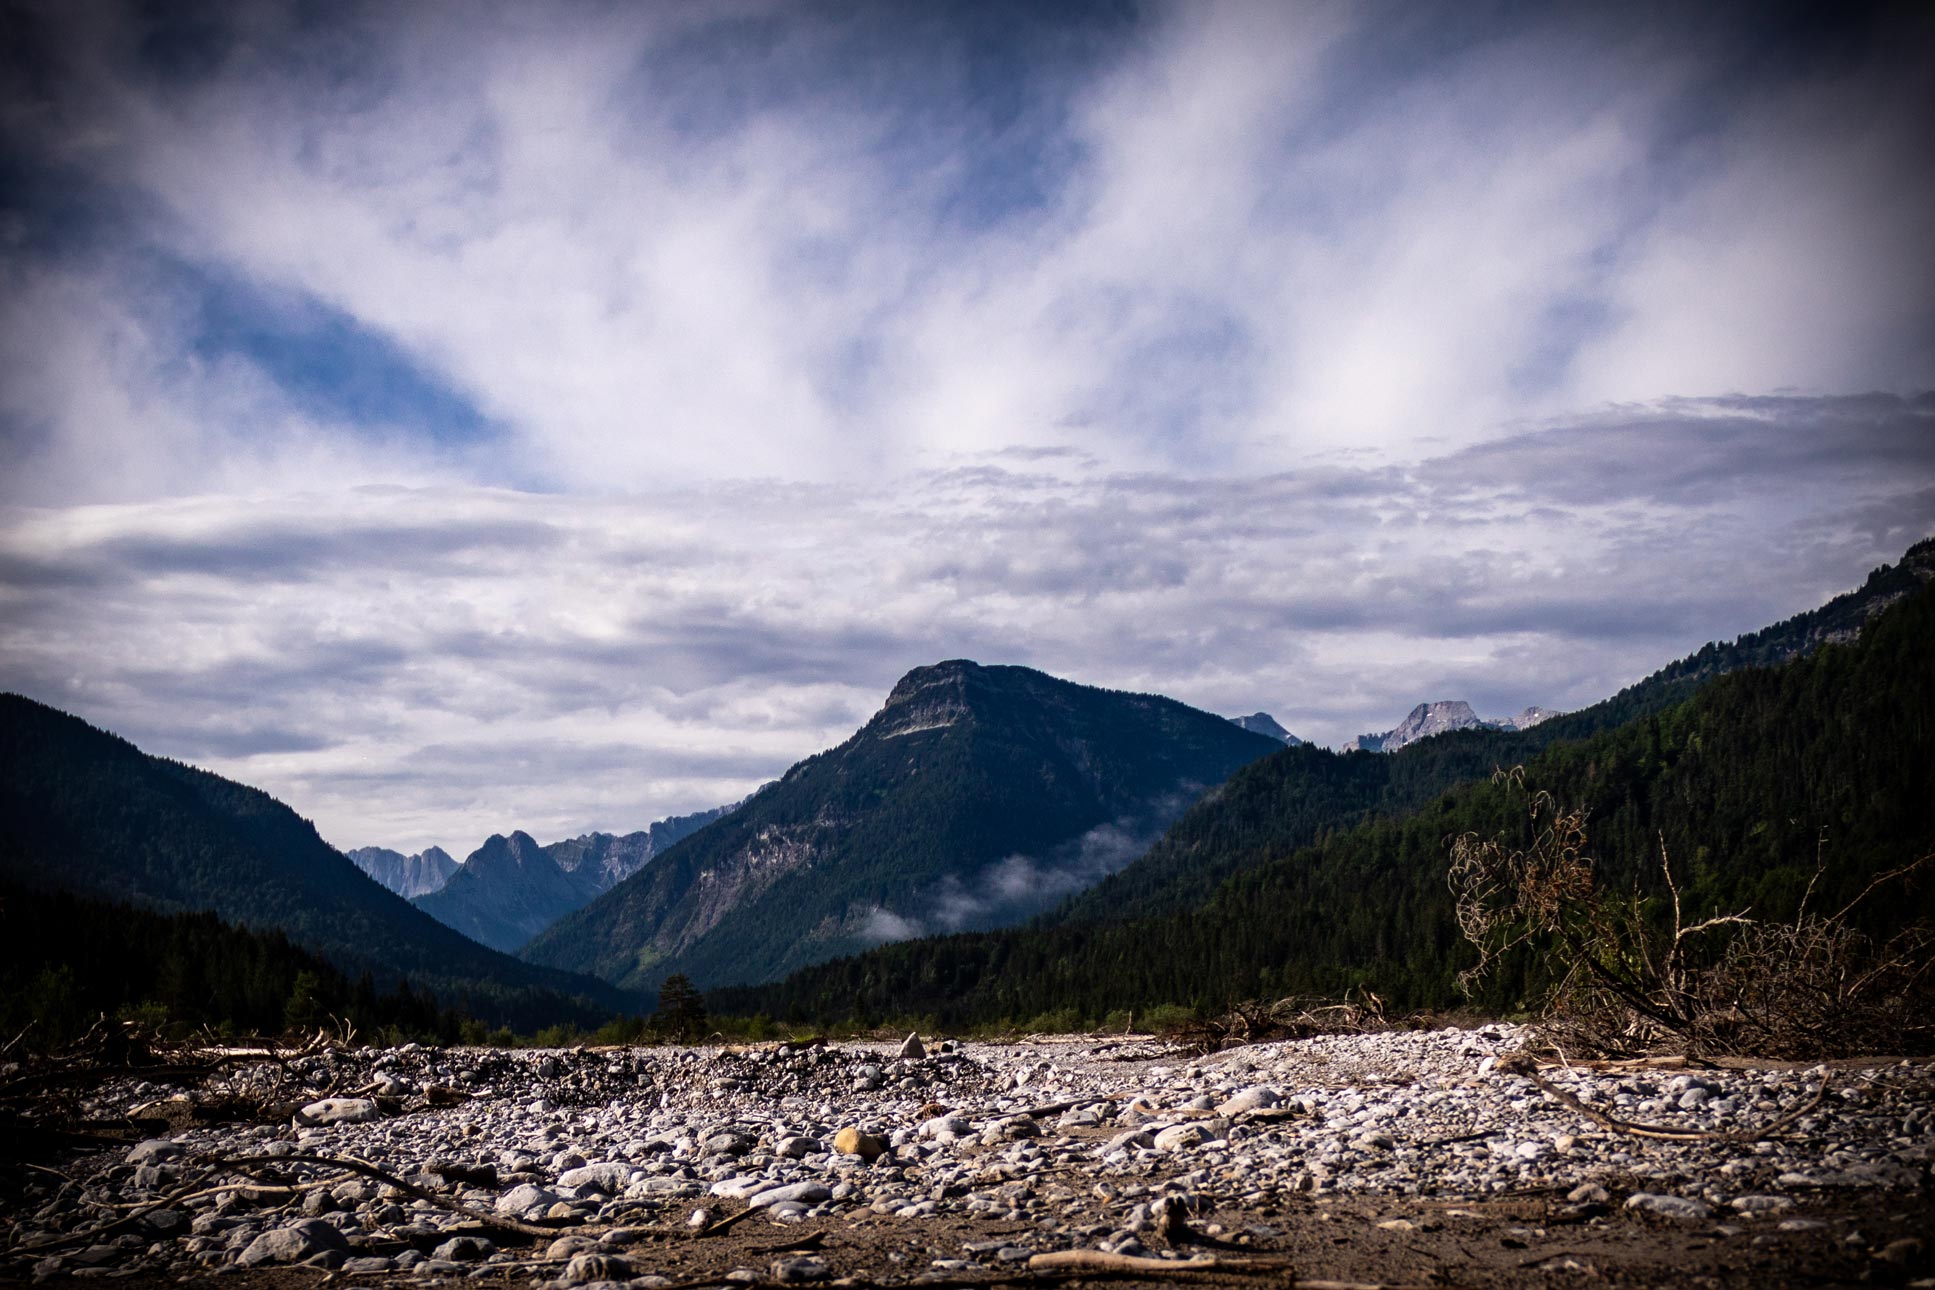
pixel 84 811
pixel 1303 795
pixel 1744 783
pixel 67 960
pixel 965 766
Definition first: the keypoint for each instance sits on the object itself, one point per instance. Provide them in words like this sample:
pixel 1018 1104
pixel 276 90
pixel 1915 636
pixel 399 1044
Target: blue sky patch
pixel 329 364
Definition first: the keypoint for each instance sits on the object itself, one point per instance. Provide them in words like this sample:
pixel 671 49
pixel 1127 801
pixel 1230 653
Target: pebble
pixel 636 1140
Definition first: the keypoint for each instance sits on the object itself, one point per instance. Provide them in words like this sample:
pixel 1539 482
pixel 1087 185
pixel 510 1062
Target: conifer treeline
pixel 66 960
pixel 1832 753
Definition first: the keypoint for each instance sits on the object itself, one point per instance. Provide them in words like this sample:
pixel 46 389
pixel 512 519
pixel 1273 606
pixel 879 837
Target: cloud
pixel 453 420
pixel 629 247
pixel 1017 886
pixel 416 666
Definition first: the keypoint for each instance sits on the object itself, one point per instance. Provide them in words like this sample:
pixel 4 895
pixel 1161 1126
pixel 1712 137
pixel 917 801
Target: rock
pixel 945 1128
pixel 154 1151
pixel 1902 1255
pixel 367 1263
pixel 294 1243
pixel 1180 1137
pixel 797 1147
pixel 1588 1193
pixel 728 1143
pixel 464 1249
pixel 913 1049
pixel 799 1268
pixel 1140 1139
pixel 338 1110
pixel 566 1246
pixel 809 1193
pixel 523 1198
pixel 608 1177
pixel 1257 1098
pixel 1681 1207
pixel 852 1142
pixel 597 1267
pixel 1760 1204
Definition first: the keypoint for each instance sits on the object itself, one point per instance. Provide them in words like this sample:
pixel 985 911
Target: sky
pixel 455 418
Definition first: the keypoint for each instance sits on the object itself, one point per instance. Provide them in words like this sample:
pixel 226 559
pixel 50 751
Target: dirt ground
pixel 1510 1242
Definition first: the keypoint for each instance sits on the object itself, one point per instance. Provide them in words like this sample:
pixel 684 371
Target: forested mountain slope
pixel 1833 750
pixel 82 810
pixel 1300 795
pixel 974 797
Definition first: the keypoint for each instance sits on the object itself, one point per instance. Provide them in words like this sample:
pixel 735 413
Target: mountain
pixel 84 811
pixel 614 858
pixel 1830 753
pixel 1275 806
pixel 1442 717
pixel 510 889
pixel 1262 723
pixel 507 891
pixel 407 876
pixel 973 798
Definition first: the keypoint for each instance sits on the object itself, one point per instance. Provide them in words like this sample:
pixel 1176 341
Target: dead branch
pixel 1525 1067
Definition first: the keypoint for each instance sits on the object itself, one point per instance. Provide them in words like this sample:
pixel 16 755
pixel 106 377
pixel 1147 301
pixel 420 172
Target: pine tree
pixel 681 1009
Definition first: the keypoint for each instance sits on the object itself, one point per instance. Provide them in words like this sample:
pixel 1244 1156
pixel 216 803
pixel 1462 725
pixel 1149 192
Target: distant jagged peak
pixel 408 876
pixel 1442 716
pixel 1262 723
pixel 518 847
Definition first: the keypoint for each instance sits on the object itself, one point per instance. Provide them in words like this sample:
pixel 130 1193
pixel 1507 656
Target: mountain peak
pixel 407 876
pixel 1262 723
pixel 927 698
pixel 1027 788
pixel 1438 717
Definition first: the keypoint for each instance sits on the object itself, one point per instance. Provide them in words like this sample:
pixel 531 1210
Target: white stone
pixel 338 1110
pixel 1683 1207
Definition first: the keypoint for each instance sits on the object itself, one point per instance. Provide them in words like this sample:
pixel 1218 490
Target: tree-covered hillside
pixel 1831 752
pixel 973 797
pixel 1304 794
pixel 82 810
pixel 185 970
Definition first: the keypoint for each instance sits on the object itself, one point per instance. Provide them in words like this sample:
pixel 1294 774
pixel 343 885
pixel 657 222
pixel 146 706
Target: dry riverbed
pixel 1404 1158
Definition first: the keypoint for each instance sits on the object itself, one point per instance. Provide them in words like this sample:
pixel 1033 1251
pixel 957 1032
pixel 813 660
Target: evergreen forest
pixel 1830 755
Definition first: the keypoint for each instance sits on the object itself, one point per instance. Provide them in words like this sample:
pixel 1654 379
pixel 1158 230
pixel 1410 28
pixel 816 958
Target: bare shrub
pixel 1256 1021
pixel 1815 986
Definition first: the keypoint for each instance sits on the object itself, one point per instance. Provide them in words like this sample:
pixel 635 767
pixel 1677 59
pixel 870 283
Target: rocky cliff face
pixel 407 876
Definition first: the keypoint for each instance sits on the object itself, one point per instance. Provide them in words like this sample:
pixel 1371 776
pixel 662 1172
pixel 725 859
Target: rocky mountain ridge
pixel 510 888
pixel 1441 717
pixel 408 876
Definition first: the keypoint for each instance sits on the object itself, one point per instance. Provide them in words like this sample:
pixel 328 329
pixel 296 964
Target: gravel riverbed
pixel 1397 1158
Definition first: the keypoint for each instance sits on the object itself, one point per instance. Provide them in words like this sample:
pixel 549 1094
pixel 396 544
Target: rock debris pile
pixel 616 1166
